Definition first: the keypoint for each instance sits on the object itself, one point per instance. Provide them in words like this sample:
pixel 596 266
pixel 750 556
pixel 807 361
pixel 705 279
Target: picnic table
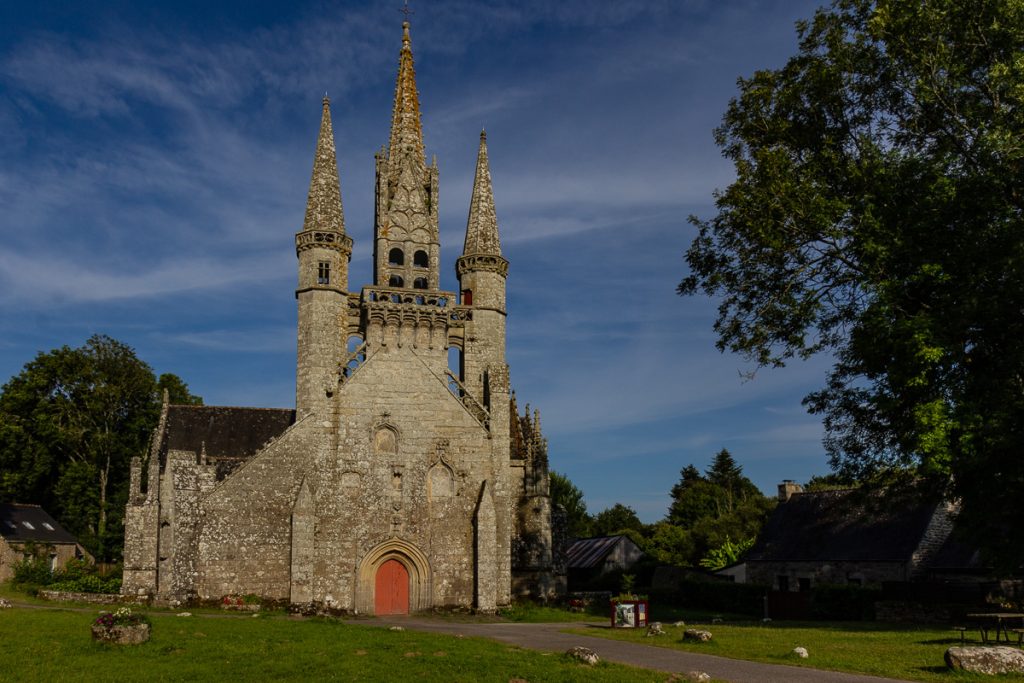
pixel 1000 621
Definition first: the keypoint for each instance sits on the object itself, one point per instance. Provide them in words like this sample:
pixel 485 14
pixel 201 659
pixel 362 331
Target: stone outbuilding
pixel 406 477
pixel 28 529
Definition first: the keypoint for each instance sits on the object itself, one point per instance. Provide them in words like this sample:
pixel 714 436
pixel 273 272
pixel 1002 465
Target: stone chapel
pixel 397 484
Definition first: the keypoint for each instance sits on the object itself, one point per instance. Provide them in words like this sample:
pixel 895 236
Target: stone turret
pixel 407 248
pixel 323 250
pixel 482 273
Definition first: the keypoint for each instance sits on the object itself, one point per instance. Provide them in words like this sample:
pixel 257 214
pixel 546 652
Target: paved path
pixel 549 638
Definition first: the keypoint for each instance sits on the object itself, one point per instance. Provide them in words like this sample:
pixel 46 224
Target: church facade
pixel 398 483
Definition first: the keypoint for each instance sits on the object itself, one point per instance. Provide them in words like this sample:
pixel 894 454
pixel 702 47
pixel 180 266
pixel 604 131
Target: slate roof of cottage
pixel 224 432
pixel 837 525
pixel 31 523
pixel 588 553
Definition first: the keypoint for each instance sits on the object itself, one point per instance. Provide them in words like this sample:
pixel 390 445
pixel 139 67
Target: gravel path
pixel 549 638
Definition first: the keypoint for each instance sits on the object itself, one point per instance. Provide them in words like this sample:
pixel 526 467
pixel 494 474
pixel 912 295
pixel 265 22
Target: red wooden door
pixel 392 591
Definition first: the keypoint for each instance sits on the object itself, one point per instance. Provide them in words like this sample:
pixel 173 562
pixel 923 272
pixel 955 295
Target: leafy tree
pixel 828 482
pixel 878 215
pixel 69 424
pixel 177 390
pixel 726 554
pixel 727 474
pixel 694 500
pixel 566 494
pixel 616 520
pixel 670 544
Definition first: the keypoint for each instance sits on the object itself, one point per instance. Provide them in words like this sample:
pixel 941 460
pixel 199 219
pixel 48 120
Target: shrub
pixel 32 572
pixel 89 583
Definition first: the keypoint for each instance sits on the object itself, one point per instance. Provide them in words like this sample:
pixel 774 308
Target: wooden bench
pixel 1020 635
pixel 963 631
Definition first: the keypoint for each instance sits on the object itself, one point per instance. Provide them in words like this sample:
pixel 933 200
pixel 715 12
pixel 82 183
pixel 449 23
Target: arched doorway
pixel 412 573
pixel 391 589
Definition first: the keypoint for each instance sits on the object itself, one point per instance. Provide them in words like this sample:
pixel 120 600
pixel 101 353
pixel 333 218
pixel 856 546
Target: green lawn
pixel 858 647
pixel 55 644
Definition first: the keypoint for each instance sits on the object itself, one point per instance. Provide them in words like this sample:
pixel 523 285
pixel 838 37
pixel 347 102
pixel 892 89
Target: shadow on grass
pixel 933 669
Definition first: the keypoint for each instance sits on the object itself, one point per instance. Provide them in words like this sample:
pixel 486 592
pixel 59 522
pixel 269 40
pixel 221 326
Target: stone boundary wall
pixel 92 598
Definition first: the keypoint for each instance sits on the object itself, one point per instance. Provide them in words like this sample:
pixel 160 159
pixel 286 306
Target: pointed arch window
pixel 419 283
pixel 420 259
pixel 396 257
pixel 396 281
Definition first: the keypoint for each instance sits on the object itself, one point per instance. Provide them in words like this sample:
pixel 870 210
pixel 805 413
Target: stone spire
pixel 482 226
pixel 406 133
pixel 407 245
pixel 323 207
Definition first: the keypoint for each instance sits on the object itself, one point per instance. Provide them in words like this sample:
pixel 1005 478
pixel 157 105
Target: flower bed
pixel 121 627
pixel 240 603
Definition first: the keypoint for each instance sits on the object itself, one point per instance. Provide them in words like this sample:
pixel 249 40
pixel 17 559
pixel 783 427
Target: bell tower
pixel 407 247
pixel 323 250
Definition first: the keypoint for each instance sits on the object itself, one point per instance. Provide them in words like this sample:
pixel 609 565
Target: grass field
pixel 55 645
pixel 914 654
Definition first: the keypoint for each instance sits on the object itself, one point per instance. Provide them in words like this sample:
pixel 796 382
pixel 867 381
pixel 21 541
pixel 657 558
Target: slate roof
pixel 836 525
pixel 31 523
pixel 235 433
pixel 587 553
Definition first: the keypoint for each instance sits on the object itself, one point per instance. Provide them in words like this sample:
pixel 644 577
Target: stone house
pixel 405 478
pixel 837 537
pixel 30 527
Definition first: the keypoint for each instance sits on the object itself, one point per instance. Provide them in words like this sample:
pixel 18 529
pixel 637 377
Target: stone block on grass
pixel 985 660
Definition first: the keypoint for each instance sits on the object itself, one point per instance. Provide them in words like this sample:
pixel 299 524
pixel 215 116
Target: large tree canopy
pixel 70 423
pixel 876 215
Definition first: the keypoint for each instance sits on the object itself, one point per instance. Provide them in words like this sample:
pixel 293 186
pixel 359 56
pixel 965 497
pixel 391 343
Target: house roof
pixel 837 525
pixel 31 523
pixel 224 432
pixel 592 552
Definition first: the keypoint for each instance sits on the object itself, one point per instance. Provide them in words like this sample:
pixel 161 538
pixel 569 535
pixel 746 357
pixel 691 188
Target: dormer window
pixel 420 259
pixel 396 281
pixel 323 273
pixel 396 257
pixel 419 283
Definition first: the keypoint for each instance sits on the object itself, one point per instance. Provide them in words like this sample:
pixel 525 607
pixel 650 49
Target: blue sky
pixel 155 159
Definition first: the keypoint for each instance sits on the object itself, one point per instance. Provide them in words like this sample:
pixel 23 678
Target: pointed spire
pixel 323 208
pixel 406 133
pixel 482 226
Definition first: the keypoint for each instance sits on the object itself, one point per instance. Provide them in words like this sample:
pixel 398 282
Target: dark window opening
pixel 804 584
pixel 420 259
pixel 396 257
pixel 323 273
pixel 420 283
pixel 467 297
pixel 783 583
pixel 396 281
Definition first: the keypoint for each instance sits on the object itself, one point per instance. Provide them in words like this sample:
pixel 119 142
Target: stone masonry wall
pixel 409 464
pixel 244 543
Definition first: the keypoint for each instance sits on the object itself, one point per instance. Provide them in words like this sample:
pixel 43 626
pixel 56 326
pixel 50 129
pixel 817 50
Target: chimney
pixel 787 488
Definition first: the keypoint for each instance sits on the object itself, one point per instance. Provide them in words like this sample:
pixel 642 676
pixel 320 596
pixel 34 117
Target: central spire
pixel 407 246
pixel 406 133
